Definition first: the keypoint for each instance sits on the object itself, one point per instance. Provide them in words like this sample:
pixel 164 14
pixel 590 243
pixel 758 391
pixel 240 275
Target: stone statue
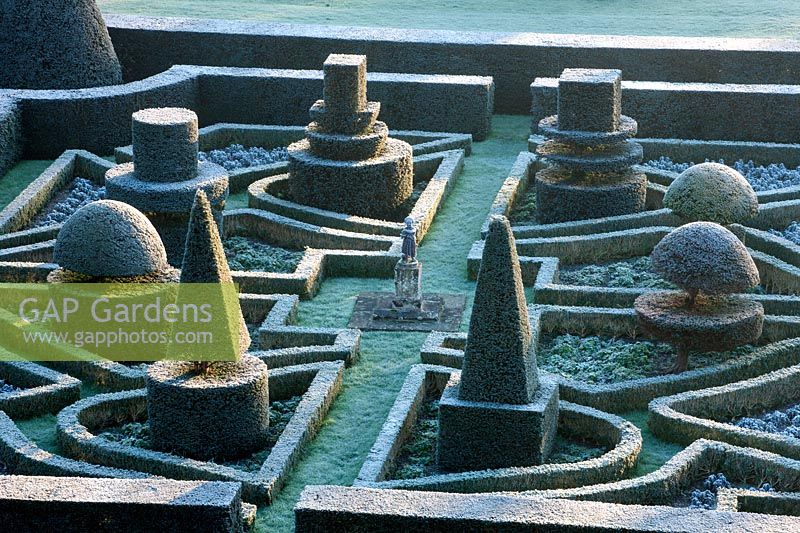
pixel 409 235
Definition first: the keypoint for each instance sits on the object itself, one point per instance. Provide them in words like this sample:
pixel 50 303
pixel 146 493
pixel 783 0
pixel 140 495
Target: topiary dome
pixel 109 239
pixel 712 192
pixel 707 257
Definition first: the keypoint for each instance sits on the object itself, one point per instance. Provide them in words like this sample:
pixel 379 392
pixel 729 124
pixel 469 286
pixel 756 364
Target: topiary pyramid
pixel 496 412
pixel 204 258
pixel 499 365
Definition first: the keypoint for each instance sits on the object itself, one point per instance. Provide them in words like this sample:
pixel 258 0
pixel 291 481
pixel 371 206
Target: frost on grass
pixel 236 156
pixel 630 273
pixel 80 193
pixel 244 253
pixel 761 178
pixel 602 360
pixel 784 422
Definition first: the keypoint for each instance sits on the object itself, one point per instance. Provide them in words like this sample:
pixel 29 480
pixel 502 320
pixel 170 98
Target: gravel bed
pixel 761 178
pixel 80 193
pixel 704 494
pixel 8 387
pixel 785 421
pixel 236 156
pixel 792 232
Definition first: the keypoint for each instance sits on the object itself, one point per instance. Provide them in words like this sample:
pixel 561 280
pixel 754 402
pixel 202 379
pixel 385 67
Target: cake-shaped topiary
pixel 203 410
pixel 55 44
pixel 712 192
pixel 108 240
pixel 589 152
pixel 710 264
pixel 347 162
pixel 165 174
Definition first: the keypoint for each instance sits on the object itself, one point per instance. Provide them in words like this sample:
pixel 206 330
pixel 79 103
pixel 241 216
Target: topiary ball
pixel 707 257
pixel 712 192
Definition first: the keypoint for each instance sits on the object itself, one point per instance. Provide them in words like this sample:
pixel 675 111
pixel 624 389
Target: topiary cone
pixel 499 365
pixel 204 258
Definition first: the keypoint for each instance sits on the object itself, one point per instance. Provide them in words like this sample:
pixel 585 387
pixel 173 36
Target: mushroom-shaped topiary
pixel 704 256
pixel 710 264
pixel 712 192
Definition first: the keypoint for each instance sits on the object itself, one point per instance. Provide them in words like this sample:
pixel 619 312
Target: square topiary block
pixel 481 435
pixel 345 83
pixel 589 99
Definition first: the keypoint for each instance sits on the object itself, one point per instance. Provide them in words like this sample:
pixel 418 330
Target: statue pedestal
pixel 408 281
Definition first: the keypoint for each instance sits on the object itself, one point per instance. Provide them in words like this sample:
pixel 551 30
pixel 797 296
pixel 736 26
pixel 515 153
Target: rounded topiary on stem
pixel 710 264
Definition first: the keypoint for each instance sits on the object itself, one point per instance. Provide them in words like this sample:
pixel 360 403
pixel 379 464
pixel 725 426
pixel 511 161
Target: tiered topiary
pixel 109 241
pixel 347 163
pixel 710 264
pixel 712 192
pixel 165 175
pixel 589 152
pixel 500 413
pixel 55 44
pixel 202 410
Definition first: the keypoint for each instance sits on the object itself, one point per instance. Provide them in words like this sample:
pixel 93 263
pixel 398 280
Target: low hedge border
pixel 440 169
pixel 328 252
pixel 280 343
pixel 704 413
pixel 45 390
pixel 334 508
pixel 755 501
pixel 447 349
pixel 664 485
pixel 424 381
pixel 319 384
pixel 22 210
pixel 23 456
pixel 778 274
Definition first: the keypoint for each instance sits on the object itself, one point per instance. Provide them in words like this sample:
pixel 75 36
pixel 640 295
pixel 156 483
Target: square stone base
pixel 379 311
pixel 481 435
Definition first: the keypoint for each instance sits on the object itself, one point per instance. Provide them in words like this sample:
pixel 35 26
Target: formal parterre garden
pixel 631 332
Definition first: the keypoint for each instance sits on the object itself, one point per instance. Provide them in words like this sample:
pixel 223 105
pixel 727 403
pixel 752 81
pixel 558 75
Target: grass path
pixel 725 18
pixel 371 385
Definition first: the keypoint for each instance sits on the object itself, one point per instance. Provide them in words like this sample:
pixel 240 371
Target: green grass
pixel 18 178
pixel 371 385
pixel 730 18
